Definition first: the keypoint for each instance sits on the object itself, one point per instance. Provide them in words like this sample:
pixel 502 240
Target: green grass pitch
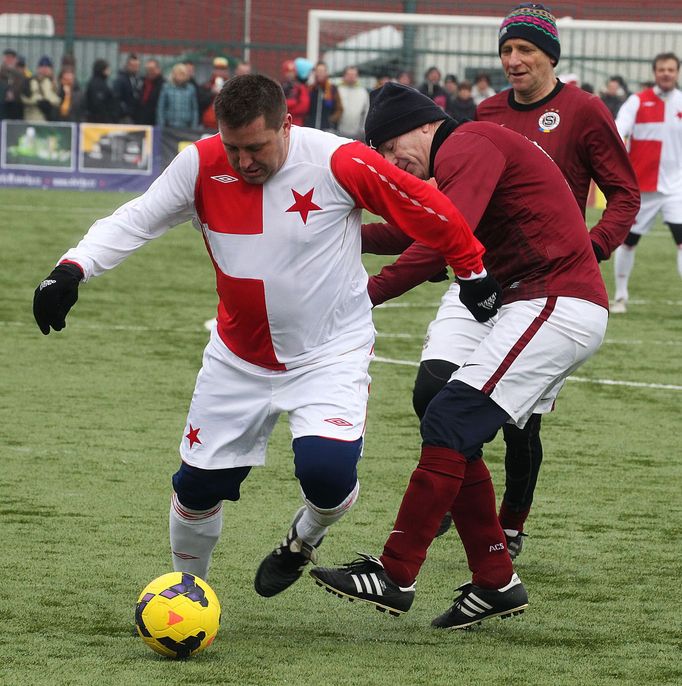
pixel 89 427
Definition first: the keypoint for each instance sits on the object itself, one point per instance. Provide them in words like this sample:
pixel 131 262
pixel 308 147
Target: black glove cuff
pixel 71 269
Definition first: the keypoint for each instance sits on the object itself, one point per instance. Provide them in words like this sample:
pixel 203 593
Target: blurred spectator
pixel 11 86
pixel 151 90
pixel 203 94
pixel 587 87
pixel 325 103
pixel 463 106
pixel 100 103
pixel 382 79
pixel 613 96
pixel 404 78
pixel 623 85
pixel 295 92
pixel 219 75
pixel 71 97
pixel 482 88
pixel 177 106
pixel 127 88
pixel 431 87
pixel 570 79
pixel 242 68
pixel 39 94
pixel 450 85
pixel 355 102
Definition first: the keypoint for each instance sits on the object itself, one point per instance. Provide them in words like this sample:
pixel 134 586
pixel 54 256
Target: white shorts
pixel 236 404
pixel 670 206
pixel 522 356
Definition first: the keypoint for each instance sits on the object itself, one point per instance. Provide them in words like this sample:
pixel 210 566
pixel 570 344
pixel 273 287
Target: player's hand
pixel 55 296
pixel 482 297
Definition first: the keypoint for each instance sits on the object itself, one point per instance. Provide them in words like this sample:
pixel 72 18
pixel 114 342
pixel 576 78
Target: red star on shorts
pixel 304 204
pixel 193 436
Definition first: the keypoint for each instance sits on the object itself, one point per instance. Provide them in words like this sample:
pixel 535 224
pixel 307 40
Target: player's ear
pixel 286 125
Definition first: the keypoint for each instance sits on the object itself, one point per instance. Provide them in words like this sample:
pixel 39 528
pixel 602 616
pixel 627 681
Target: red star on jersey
pixel 193 436
pixel 304 204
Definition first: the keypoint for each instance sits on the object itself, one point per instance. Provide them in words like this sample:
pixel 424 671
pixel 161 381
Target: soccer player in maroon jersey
pixel 578 132
pixel 553 318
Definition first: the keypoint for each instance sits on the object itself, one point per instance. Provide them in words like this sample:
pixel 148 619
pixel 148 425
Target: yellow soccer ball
pixel 178 615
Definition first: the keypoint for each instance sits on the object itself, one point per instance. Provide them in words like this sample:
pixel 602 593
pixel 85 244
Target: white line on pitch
pixel 581 379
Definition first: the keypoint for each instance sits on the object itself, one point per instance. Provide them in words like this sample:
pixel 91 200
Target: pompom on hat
pixel 535 23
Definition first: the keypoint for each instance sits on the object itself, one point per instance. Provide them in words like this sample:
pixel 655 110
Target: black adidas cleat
pixel 476 604
pixel 284 565
pixel 514 542
pixel 445 525
pixel 365 579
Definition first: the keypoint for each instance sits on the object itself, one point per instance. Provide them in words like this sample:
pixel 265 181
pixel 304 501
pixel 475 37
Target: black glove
pixel 598 252
pixel 482 297
pixel 55 296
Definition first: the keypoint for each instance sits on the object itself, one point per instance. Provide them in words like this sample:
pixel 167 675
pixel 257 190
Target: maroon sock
pixel 512 520
pixel 473 512
pixel 433 486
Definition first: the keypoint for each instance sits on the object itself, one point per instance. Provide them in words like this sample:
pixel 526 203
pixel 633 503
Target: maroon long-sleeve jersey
pixel 523 210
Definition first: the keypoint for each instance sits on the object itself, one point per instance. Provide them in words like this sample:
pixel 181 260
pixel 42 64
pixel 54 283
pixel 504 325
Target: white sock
pixel 316 521
pixel 679 260
pixel 623 262
pixel 193 536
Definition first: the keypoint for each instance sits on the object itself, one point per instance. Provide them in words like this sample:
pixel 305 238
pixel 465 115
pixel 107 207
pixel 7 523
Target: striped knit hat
pixel 535 23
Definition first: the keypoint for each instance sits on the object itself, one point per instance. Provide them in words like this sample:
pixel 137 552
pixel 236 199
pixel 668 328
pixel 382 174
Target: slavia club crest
pixel 549 121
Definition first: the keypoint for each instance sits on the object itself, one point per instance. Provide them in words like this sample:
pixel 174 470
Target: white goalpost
pixel 591 49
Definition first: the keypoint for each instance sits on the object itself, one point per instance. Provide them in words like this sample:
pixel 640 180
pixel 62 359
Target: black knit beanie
pixel 395 109
pixel 535 23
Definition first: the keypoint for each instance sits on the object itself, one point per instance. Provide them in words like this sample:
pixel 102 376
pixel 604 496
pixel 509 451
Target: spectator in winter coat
pixel 177 106
pixel 39 96
pixel 127 89
pixel 151 90
pixel 100 103
pixel 325 103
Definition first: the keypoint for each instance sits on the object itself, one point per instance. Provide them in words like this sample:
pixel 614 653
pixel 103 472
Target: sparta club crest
pixel 548 122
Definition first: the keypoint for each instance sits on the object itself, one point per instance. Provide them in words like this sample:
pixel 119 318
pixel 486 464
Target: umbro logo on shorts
pixel 225 178
pixel 337 421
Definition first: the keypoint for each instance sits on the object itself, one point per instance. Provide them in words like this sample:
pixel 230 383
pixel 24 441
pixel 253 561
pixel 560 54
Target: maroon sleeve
pixel 383 239
pixel 417 208
pixel 613 173
pixel 417 264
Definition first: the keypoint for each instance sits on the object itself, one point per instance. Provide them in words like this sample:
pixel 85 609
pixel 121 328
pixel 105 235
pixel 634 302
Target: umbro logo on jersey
pixel 648 103
pixel 225 178
pixel 337 421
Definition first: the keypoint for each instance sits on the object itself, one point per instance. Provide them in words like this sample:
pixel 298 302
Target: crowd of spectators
pixel 141 94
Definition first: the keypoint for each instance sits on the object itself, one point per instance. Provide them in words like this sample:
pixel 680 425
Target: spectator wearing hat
pixel 151 90
pixel 39 96
pixel 219 75
pixel 100 103
pixel 11 86
pixel 295 92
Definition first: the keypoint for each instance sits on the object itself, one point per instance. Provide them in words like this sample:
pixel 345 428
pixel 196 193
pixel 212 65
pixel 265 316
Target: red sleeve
pixel 383 239
pixel 613 173
pixel 417 264
pixel 417 208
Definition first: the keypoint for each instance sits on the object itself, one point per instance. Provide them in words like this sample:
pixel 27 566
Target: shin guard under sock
pixel 474 513
pixel 432 488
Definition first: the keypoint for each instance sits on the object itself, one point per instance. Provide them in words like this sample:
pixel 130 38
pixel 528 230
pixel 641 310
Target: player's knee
pixel 202 489
pixel 676 230
pixel 326 468
pixel 632 239
pixel 431 377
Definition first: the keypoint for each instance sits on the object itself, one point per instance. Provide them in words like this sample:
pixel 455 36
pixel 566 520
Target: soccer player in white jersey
pixel 279 209
pixel 651 122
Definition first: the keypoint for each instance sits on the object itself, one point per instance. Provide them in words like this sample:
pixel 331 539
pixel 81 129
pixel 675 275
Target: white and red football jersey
pixel 292 288
pixel 652 121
